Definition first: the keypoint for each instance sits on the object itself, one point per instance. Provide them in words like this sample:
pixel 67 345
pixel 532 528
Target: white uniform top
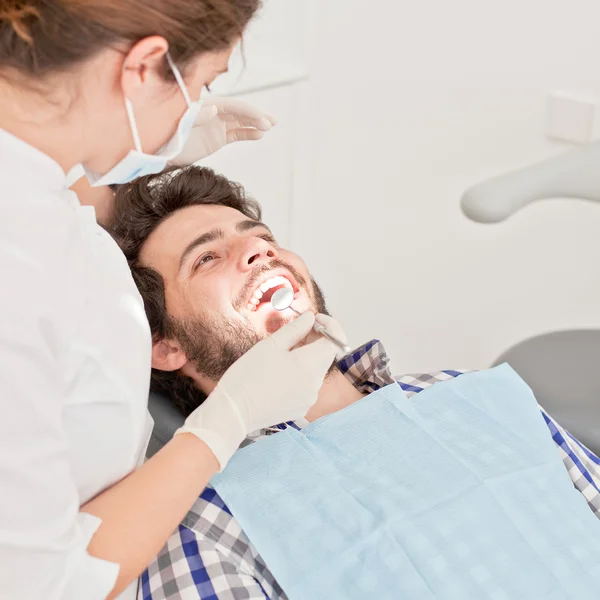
pixel 75 353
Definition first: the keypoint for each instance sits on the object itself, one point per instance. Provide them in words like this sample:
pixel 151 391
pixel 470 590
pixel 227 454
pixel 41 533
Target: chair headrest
pixel 167 419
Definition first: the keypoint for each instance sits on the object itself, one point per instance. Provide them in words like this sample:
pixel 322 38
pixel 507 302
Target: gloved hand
pixel 272 383
pixel 332 327
pixel 222 121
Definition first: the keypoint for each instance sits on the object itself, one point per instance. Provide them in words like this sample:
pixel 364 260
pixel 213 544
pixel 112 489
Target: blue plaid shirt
pixel 209 557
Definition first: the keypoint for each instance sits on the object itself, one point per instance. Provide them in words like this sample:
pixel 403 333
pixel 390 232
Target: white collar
pixel 19 159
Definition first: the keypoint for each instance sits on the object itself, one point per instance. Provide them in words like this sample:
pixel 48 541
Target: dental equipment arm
pixel 572 175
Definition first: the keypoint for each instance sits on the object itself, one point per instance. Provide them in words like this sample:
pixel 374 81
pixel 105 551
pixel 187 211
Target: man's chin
pixel 275 321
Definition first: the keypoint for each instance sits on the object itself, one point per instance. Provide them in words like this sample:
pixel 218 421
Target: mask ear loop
pixel 179 79
pixel 129 107
pixel 132 124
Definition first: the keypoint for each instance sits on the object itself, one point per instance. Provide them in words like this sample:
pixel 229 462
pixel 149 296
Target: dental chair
pixel 167 419
pixel 561 367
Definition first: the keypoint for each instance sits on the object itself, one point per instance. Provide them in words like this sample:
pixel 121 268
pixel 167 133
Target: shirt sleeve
pixel 581 463
pixel 43 536
pixel 192 567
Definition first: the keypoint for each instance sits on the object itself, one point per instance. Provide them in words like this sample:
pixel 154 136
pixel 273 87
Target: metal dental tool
pixel 282 300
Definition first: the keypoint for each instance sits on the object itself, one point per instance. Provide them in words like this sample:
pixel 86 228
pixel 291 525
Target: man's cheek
pixel 294 261
pixel 275 322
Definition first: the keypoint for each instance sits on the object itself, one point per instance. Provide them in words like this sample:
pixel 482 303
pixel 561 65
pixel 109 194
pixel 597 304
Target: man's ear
pixel 167 355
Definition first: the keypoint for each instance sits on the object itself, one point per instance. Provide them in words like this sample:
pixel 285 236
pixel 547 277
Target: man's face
pixel 220 270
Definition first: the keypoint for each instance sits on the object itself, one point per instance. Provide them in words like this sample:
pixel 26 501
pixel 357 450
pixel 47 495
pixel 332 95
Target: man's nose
pixel 254 252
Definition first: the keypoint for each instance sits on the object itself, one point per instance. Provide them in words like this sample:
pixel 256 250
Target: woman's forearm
pixel 140 512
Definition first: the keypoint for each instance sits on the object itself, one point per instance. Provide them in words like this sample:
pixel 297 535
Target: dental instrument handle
pixel 321 329
pixel 282 300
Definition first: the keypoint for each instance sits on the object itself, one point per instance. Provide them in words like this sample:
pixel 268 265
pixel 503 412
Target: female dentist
pixel 112 85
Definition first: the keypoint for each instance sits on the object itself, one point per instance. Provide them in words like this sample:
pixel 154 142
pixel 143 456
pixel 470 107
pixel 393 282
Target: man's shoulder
pixel 213 524
pixel 414 383
pixel 210 553
pixel 208 513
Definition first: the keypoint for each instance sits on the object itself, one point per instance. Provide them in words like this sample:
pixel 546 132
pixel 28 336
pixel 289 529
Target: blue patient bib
pixel 455 494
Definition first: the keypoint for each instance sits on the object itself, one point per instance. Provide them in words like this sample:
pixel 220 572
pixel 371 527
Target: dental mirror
pixel 282 300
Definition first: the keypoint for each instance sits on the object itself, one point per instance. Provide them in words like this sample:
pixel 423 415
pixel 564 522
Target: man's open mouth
pixel 265 290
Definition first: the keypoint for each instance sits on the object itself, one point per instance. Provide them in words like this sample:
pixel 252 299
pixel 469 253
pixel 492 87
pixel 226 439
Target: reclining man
pixel 206 267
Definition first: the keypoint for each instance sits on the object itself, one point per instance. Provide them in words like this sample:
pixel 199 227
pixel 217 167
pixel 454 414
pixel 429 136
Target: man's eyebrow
pixel 243 226
pixel 205 238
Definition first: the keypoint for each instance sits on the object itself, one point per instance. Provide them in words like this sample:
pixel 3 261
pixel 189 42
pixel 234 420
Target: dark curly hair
pixel 140 207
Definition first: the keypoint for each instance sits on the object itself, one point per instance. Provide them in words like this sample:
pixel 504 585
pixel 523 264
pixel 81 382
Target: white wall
pixel 269 73
pixel 265 169
pixel 409 104
pixel 274 52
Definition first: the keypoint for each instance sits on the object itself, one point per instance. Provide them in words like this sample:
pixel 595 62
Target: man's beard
pixel 213 343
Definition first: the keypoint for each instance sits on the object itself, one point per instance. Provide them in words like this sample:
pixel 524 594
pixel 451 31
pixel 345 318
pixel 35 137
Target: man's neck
pixel 336 393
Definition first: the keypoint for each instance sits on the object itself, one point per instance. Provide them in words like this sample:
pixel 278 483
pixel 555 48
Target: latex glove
pixel 332 327
pixel 272 383
pixel 222 121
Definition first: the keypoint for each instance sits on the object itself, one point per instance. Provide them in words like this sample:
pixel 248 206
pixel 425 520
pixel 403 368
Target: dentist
pixel 113 85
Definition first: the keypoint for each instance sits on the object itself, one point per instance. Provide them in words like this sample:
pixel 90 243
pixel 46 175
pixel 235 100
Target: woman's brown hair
pixel 39 37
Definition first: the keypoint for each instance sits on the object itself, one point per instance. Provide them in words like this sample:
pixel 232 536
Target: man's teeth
pixel 266 286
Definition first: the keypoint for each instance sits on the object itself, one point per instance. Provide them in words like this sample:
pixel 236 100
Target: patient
pixel 207 274
pixel 207 267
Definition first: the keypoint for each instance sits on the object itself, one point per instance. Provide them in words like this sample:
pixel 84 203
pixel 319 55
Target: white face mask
pixel 137 162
